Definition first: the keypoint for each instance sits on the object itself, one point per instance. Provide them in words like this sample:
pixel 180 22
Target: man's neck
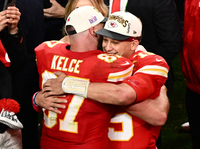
pixel 81 48
pixel 83 44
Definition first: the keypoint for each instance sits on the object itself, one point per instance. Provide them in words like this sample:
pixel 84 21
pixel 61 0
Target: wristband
pixel 75 86
pixel 33 98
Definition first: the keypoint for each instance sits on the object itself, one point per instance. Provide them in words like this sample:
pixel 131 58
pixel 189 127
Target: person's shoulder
pixel 117 66
pixel 49 45
pixel 54 43
pixel 113 59
pixel 148 59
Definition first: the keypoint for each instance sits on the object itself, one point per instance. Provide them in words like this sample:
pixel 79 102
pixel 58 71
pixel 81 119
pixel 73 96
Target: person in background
pixel 12 59
pixel 190 65
pixel 12 50
pixel 72 4
pixel 180 10
pixel 31 22
pixel 10 126
pixel 54 12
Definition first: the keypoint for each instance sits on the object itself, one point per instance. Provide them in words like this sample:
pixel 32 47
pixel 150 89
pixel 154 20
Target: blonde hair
pixel 99 4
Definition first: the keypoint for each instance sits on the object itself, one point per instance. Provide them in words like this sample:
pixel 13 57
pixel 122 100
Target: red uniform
pixel 190 62
pixel 127 131
pixel 84 123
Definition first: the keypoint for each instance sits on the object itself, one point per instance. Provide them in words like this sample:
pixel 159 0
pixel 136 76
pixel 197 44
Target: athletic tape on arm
pixel 75 86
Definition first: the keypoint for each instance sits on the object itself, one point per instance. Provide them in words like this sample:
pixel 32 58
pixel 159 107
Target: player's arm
pixel 135 88
pixel 145 83
pixel 109 93
pixel 153 111
pixel 122 94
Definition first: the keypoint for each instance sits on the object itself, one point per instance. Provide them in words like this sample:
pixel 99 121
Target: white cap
pixel 83 18
pixel 121 26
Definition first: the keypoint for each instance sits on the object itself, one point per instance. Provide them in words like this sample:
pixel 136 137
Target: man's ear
pixel 92 32
pixel 134 44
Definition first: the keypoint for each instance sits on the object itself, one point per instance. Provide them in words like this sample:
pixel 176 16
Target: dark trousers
pixel 193 112
pixel 27 85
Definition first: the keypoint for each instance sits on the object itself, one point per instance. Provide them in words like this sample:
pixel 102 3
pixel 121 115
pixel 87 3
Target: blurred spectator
pixel 12 50
pixel 191 66
pixel 10 126
pixel 31 23
pixel 72 4
pixel 54 12
pixel 180 9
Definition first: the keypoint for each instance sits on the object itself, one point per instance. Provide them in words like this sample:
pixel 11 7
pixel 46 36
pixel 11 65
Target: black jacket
pixel 16 50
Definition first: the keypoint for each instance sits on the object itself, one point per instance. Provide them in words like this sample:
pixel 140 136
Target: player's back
pixel 84 123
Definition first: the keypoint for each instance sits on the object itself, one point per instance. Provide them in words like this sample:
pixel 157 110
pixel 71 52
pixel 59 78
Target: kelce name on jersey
pixel 64 64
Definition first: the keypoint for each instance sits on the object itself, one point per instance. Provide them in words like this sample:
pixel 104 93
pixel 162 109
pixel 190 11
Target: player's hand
pixel 55 11
pixel 51 103
pixel 53 87
pixel 3 20
pixel 13 16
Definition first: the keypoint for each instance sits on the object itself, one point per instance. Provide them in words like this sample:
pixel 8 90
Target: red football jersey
pixel 127 131
pixel 84 123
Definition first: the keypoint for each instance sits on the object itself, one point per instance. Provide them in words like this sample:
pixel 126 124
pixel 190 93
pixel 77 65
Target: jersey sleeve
pixel 43 50
pixel 150 74
pixel 41 53
pixel 116 68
